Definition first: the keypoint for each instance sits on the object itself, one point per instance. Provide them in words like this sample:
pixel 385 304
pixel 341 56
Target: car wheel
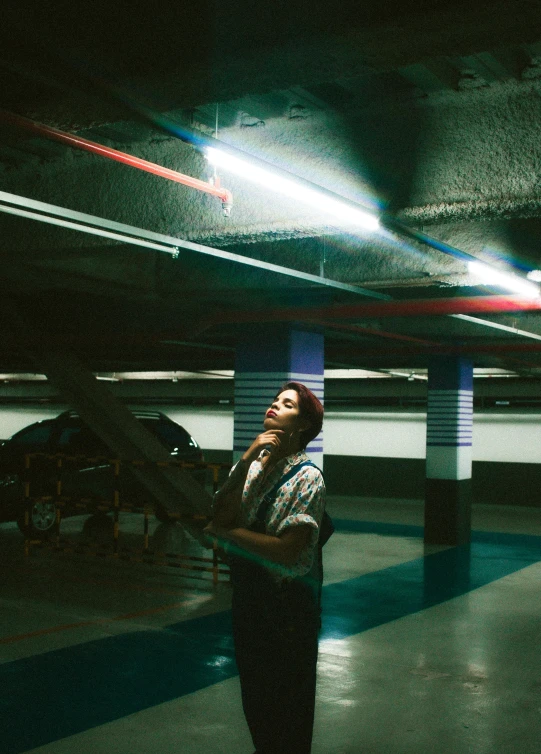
pixel 41 519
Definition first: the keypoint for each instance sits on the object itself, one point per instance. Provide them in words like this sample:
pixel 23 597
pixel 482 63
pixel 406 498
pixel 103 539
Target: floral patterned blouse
pixel 301 500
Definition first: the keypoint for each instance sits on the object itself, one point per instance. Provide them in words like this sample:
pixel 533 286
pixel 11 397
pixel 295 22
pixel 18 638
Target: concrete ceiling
pixel 427 113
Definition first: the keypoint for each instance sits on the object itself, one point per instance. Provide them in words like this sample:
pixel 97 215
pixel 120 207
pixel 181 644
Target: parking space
pixel 119 656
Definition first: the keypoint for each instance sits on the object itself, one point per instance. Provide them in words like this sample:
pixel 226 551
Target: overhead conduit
pixel 214 189
pixel 449 307
pixel 408 308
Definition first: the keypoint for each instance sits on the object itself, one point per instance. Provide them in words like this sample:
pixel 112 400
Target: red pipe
pixel 378 333
pixel 114 154
pixel 335 353
pixel 411 308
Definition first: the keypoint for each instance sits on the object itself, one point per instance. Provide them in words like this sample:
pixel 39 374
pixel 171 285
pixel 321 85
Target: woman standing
pixel 268 515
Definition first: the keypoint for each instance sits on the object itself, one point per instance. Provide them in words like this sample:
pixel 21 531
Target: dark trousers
pixel 275 628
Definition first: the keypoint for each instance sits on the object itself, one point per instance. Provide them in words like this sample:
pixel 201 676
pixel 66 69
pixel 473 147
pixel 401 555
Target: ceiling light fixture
pixel 487 275
pixel 293 189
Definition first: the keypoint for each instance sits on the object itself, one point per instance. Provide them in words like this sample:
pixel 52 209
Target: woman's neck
pixel 281 454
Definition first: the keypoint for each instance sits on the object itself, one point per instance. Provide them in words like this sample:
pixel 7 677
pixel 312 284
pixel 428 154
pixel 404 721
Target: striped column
pixel 264 361
pixel 449 451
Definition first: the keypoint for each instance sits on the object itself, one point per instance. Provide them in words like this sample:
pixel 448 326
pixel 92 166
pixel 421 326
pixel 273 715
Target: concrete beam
pixel 207 52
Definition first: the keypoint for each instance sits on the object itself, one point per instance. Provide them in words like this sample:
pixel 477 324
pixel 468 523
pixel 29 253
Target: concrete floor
pixel 422 650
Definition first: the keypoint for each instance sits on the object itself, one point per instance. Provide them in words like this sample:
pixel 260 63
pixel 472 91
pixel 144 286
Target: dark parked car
pixel 88 479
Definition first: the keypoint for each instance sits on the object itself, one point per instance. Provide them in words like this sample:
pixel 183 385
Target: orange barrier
pixel 93 504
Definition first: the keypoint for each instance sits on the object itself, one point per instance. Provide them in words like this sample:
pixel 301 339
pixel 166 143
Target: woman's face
pixel 284 413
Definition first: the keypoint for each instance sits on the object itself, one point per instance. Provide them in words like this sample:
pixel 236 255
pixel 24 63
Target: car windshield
pixel 172 435
pixel 78 439
pixel 36 436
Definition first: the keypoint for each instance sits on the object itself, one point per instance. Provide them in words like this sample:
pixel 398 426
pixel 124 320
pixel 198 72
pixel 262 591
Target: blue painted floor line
pixel 409 530
pixel 59 693
pixel 374 527
pixel 373 599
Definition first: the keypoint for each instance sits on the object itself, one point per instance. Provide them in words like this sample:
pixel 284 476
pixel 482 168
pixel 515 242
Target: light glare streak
pixel 488 275
pixel 292 189
pixel 497 326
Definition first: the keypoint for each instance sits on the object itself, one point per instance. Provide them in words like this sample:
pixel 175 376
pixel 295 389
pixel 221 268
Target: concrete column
pixel 449 451
pixel 266 358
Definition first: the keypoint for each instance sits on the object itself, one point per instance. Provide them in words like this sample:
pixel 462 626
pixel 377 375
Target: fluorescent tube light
pixel 487 275
pixel 287 187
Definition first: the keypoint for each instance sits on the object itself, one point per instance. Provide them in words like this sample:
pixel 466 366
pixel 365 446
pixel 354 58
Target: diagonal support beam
pixel 173 488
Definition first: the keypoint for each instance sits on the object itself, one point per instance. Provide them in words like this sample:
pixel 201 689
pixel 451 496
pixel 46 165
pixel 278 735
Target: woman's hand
pixel 216 531
pixel 270 439
pixel 216 539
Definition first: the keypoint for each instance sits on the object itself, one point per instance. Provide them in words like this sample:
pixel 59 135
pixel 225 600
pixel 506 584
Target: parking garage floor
pixel 422 649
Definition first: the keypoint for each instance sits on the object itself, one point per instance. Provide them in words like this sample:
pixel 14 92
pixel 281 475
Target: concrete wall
pixel 376 453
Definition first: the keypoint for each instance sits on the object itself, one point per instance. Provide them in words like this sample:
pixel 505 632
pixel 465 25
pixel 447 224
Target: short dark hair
pixel 310 408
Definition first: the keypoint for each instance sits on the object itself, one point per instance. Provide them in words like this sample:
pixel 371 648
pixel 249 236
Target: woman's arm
pixel 284 549
pixel 228 498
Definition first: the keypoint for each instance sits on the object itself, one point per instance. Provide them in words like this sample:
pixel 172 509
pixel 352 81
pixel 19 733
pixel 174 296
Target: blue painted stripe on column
pixel 444 394
pixel 447 421
pixel 453 390
pixel 449 444
pixel 442 430
pixel 264 374
pixel 449 413
pixel 277 379
pixel 434 436
pixel 464 420
pixel 449 405
pixel 258 397
pixel 275 385
pixel 449 439
pixel 449 395
pixel 452 422
pixel 449 430
pixel 456 440
pixel 449 408
pixel 263 365
pixel 438 429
